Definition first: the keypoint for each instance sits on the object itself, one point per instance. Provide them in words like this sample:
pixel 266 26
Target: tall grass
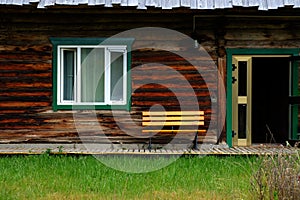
pixel 84 177
pixel 278 177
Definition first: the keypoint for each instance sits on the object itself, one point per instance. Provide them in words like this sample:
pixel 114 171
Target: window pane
pixel 68 75
pixel 92 75
pixel 116 78
pixel 242 113
pixel 242 78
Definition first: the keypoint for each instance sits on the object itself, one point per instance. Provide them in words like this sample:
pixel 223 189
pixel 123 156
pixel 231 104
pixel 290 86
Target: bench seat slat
pixel 167 118
pixel 168 131
pixel 162 113
pixel 173 123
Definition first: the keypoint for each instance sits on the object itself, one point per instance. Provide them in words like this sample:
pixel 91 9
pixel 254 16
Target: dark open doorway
pixel 270 91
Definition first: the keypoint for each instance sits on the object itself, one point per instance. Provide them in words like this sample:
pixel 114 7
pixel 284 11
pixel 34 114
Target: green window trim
pixel 295 93
pixel 56 42
pixel 254 51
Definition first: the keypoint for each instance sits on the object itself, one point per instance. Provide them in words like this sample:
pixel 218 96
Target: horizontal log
pixel 156 88
pixel 25 98
pixel 13 94
pixel 21 110
pixel 174 86
pixel 166 93
pixel 41 49
pixel 32 57
pixel 176 106
pixel 161 70
pixel 24 104
pixel 140 85
pixel 258 35
pixel 175 55
pixel 87 15
pixel 27 84
pixel 92 20
pixel 23 66
pixel 183 100
pixel 25 74
pixel 179 66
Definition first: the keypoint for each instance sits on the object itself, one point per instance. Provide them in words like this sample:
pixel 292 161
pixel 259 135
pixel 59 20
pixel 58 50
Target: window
pixel 91 73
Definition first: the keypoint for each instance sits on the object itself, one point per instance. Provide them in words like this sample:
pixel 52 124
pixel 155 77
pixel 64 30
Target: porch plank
pixel 26 149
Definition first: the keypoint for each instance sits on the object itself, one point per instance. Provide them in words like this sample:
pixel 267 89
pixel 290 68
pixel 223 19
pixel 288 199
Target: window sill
pixel 91 107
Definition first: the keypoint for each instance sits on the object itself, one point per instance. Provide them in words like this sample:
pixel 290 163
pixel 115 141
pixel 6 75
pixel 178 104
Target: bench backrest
pixel 169 121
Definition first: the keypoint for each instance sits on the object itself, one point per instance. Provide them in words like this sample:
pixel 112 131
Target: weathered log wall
pixel 26 76
pixel 26 68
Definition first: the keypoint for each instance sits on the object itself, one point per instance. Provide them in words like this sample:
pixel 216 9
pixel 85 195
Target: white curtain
pixel 116 76
pixel 68 75
pixel 92 75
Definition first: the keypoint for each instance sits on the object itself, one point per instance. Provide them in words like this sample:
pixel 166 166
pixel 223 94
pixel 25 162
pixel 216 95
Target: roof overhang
pixel 164 4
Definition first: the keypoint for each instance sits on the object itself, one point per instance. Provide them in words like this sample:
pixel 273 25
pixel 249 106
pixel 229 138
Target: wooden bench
pixel 172 122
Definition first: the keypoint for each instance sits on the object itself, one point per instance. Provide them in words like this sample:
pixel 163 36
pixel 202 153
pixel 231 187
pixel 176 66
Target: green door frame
pixel 294 91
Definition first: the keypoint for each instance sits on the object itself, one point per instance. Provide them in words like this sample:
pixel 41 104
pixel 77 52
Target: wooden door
pixel 241 100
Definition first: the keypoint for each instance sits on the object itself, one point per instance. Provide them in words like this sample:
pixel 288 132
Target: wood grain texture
pixel 26 68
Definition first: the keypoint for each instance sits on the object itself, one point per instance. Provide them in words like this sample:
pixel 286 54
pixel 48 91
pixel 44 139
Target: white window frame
pixel 108 49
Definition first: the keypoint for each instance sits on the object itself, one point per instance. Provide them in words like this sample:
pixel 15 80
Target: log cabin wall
pixel 26 66
pixel 26 74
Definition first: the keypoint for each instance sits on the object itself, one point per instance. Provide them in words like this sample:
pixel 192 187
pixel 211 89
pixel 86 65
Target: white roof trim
pixel 165 4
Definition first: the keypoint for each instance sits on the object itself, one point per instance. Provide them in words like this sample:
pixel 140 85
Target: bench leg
pixel 150 144
pixel 195 142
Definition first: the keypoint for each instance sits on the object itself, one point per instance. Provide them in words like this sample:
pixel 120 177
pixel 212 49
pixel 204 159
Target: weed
pixel 60 149
pixel 47 152
pixel 278 177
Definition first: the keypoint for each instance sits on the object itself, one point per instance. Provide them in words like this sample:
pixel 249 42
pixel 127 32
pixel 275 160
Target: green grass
pixel 84 177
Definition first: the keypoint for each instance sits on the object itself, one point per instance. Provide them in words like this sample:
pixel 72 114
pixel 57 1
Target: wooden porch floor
pixel 98 149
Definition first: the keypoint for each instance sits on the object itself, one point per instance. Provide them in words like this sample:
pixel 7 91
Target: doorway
pixel 260 94
pixel 270 95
